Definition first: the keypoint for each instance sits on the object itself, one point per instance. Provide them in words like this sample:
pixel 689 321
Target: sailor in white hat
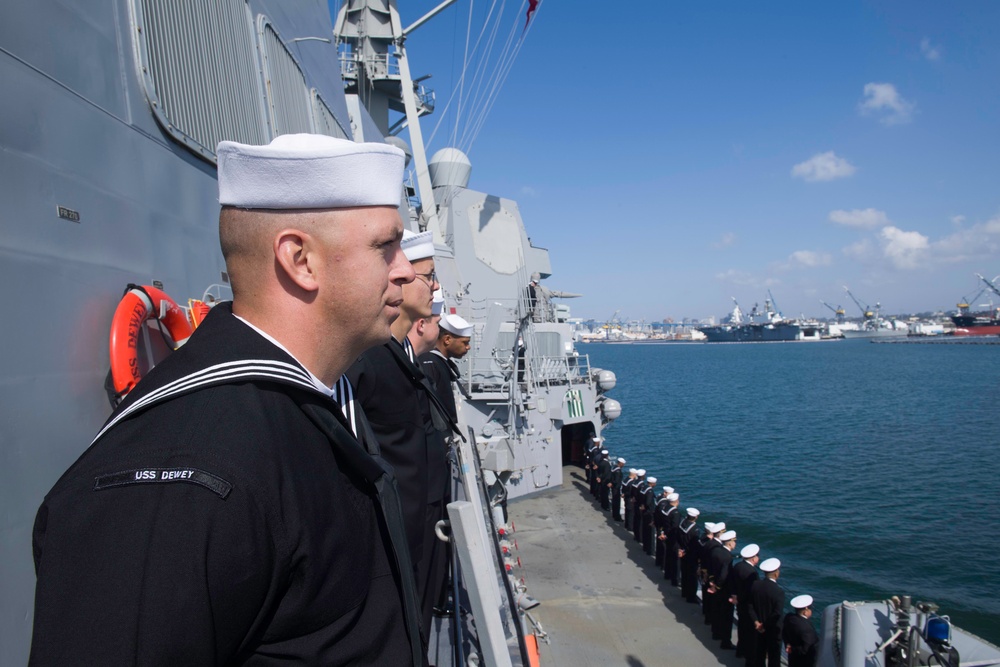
pixel 590 461
pixel 648 514
pixel 709 543
pixel 744 574
pixel 616 489
pixel 721 586
pixel 424 332
pixel 437 363
pixel 628 486
pixel 604 480
pixel 638 491
pixel 767 602
pixel 687 553
pixel 667 520
pixel 799 635
pixel 298 223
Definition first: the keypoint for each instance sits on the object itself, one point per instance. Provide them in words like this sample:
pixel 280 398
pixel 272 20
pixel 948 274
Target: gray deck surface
pixel 604 602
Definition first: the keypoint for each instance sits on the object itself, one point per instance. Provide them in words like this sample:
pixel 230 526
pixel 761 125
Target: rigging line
pixel 483 99
pixel 501 71
pixel 503 80
pixel 465 65
pixel 454 92
pixel 482 65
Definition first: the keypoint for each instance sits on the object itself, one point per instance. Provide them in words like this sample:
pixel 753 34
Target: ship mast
pixel 370 37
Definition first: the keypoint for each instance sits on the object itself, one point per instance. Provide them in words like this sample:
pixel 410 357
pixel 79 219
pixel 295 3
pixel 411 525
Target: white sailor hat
pixel 673 496
pixel 750 550
pixel 597 438
pixel 770 565
pixel 456 325
pixel 711 527
pixel 720 527
pixel 728 535
pixel 668 489
pixel 651 480
pixel 309 171
pixel 801 601
pixel 437 305
pixel 641 472
pixel 633 471
pixel 417 246
pixel 604 451
pixel 621 460
pixel 693 511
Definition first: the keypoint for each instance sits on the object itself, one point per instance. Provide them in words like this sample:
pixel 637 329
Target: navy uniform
pixel 659 528
pixel 707 545
pixel 744 574
pixel 687 552
pixel 721 577
pixel 767 606
pixel 616 490
pixel 673 520
pixel 799 635
pixel 649 508
pixel 214 521
pixel 626 493
pixel 637 505
pixel 604 480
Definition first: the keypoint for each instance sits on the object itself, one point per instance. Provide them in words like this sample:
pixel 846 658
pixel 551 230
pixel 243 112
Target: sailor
pixel 595 463
pixel 433 560
pixel 709 543
pixel 767 602
pixel 604 480
pixel 638 505
pixel 744 574
pixel 615 485
pixel 687 553
pixel 660 525
pixel 391 390
pixel 229 503
pixel 799 635
pixel 591 462
pixel 453 342
pixel 673 521
pixel 648 509
pixel 720 569
pixel 626 493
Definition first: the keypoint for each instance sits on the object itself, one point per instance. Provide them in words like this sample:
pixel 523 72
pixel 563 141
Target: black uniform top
pixel 627 483
pixel 438 371
pixel 616 479
pixel 230 518
pixel 649 501
pixel 638 488
pixel 604 469
pixel 705 549
pixel 744 574
pixel 800 635
pixel 686 537
pixel 392 404
pixel 767 604
pixel 669 519
pixel 719 562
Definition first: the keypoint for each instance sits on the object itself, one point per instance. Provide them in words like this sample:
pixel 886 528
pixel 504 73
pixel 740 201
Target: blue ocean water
pixel 870 470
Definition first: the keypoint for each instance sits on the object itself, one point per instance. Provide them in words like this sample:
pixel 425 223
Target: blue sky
pixel 673 154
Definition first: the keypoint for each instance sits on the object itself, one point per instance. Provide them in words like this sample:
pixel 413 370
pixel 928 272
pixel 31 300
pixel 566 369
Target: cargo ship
pixel 986 323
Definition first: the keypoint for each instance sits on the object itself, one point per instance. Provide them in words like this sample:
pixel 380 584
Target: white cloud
pixel 868 217
pixel 905 250
pixel 957 220
pixel 862 250
pixel 930 51
pixel 978 241
pixel 808 259
pixel 884 99
pixel 728 239
pixel 745 279
pixel 823 167
pixel 528 191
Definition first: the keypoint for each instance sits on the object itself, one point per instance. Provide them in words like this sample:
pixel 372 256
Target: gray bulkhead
pixel 77 131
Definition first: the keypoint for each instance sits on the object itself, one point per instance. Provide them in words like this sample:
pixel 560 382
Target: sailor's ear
pixel 296 258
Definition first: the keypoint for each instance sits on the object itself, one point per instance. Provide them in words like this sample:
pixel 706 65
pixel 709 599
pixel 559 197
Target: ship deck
pixel 603 600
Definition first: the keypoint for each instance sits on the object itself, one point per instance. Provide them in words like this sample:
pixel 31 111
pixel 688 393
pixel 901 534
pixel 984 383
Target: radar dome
pixel 449 166
pixel 401 145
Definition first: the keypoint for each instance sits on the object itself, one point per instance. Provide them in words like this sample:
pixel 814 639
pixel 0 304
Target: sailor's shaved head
pixel 247 240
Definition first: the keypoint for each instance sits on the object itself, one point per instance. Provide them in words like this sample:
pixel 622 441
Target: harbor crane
pixel 838 311
pixel 865 310
pixel 965 304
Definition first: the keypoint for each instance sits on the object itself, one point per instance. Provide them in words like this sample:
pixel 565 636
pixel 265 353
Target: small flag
pixel 532 6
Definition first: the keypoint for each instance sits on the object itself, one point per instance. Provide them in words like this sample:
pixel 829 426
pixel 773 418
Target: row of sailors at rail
pixel 708 560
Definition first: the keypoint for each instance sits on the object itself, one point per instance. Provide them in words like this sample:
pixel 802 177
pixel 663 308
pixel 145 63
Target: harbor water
pixel 870 470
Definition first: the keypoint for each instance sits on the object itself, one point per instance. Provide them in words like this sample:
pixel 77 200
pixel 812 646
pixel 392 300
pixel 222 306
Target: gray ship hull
pixel 752 333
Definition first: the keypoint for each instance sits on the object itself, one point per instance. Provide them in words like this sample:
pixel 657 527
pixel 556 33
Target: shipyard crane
pixel 865 310
pixel 838 311
pixel 990 284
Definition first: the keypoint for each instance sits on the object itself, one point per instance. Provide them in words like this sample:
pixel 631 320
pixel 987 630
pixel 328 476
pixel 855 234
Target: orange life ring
pixel 139 304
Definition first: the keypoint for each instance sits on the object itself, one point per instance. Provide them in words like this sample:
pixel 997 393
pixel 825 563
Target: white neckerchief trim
pixel 315 380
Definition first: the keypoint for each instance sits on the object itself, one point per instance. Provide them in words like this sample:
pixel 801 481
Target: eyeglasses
pixel 429 278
